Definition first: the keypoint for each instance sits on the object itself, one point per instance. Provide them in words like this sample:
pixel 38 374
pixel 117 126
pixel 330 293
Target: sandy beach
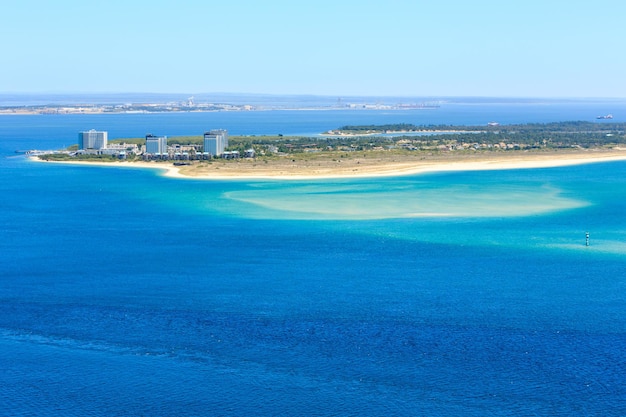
pixel 367 164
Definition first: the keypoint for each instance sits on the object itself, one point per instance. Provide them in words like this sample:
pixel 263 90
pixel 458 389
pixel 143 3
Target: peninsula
pixel 367 165
pixel 380 150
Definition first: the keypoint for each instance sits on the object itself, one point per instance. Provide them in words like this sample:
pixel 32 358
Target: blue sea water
pixel 123 292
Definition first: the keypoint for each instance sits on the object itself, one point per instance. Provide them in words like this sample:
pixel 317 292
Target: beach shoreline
pixel 357 167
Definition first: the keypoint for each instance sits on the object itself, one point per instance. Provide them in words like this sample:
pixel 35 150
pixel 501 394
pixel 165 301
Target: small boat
pixel 608 116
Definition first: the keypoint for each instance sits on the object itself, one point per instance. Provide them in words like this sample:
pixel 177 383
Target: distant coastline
pixel 190 104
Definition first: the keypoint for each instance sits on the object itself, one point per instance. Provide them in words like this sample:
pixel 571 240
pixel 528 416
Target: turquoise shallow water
pixel 468 293
pixel 416 196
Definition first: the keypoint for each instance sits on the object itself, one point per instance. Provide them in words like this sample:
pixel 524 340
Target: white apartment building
pixel 156 144
pixel 215 141
pixel 92 139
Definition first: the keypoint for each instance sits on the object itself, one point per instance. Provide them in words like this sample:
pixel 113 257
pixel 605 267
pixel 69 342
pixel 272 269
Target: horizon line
pixel 294 95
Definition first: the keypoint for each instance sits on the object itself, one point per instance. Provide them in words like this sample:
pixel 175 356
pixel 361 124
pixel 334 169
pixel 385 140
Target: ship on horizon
pixel 608 116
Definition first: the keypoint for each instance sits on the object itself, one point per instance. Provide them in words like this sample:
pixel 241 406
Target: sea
pixel 480 293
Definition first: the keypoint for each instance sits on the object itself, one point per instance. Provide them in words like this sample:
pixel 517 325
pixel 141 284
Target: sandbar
pixel 361 164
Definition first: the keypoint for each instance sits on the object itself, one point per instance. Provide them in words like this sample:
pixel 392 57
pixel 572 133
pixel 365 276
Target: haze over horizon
pixel 401 48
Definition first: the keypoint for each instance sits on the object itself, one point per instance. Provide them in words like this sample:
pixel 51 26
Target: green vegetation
pixel 576 126
pixel 534 135
pixel 399 127
pixel 68 157
pixel 130 141
pixel 370 140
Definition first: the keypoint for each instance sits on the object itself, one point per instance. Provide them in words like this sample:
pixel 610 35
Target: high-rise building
pixel 92 139
pixel 223 133
pixel 156 144
pixel 215 142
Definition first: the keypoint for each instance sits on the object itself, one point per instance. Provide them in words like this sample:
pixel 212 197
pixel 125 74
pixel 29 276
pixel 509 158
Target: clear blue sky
pixel 525 48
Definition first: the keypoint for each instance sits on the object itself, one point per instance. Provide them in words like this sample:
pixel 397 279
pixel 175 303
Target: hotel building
pixel 156 144
pixel 92 139
pixel 215 142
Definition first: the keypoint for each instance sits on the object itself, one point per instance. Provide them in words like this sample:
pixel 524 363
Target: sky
pixel 413 48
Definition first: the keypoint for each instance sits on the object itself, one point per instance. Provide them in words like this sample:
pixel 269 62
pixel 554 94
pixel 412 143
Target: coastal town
pixel 156 148
pixel 94 145
pixel 191 104
pixel 184 106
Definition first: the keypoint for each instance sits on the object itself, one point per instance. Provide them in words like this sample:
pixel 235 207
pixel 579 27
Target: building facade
pixel 223 133
pixel 215 142
pixel 156 144
pixel 92 139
